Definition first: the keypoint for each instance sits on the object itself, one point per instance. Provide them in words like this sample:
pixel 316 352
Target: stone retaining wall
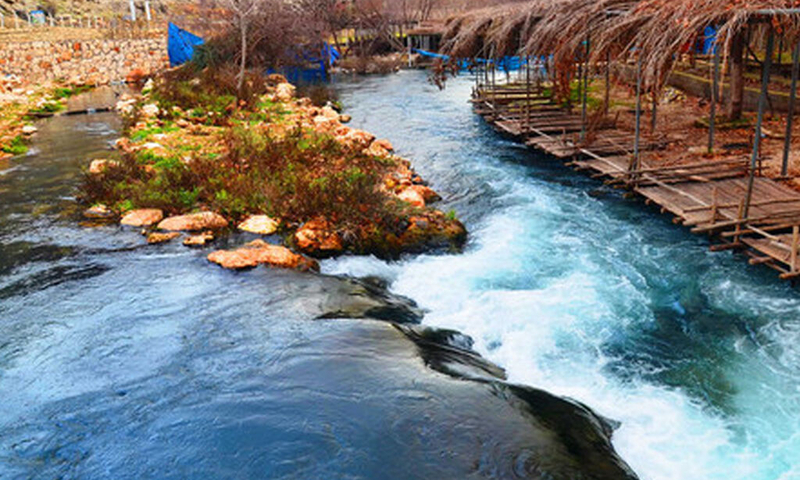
pixel 91 61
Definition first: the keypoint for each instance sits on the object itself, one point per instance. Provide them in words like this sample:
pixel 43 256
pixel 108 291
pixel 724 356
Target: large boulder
pixel 260 252
pixel 318 238
pixel 142 217
pixel 194 222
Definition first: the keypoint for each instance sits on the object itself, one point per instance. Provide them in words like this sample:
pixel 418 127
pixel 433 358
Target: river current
pixel 576 290
pixel 115 356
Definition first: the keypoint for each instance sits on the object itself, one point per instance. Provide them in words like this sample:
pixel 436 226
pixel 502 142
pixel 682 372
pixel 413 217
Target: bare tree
pixel 243 14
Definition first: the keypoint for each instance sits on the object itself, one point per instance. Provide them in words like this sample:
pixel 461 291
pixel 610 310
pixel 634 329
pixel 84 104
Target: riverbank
pixel 194 159
pixel 20 105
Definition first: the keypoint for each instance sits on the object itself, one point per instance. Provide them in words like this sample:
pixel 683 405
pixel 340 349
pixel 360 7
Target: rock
pixel 123 145
pixel 149 111
pixel 194 222
pixel 353 136
pixel 317 238
pixel 384 144
pixel 125 107
pixel 148 87
pixel 135 76
pixel 284 92
pixel 29 130
pixel 155 237
pixel 142 217
pixel 376 150
pixel 98 211
pixel 182 123
pixel 198 240
pixel 276 79
pixel 260 252
pixel 360 137
pixel 345 118
pixel 413 197
pixel 99 166
pixel 329 113
pixel 427 193
pixel 325 124
pixel 259 224
pixel 366 298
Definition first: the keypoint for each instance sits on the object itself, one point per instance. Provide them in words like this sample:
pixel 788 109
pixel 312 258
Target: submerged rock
pixel 368 298
pixel 259 224
pixel 260 252
pixel 194 222
pixel 142 218
pixel 198 240
pixel 156 238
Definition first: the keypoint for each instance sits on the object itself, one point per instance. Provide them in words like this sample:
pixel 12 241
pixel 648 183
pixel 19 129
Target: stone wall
pixel 92 61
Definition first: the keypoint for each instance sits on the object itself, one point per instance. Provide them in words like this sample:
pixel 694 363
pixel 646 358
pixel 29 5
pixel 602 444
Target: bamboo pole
pixel 762 103
pixel 528 99
pixel 607 98
pixel 712 121
pixel 585 98
pixel 790 117
pixel 638 134
pixel 795 242
pixel 714 205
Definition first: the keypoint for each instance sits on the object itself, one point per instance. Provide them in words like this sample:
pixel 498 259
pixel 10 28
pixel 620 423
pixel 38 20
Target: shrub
pixel 16 146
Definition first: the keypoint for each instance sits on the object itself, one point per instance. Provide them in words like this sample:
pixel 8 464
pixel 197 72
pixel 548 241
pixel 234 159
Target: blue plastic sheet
pixel 181 45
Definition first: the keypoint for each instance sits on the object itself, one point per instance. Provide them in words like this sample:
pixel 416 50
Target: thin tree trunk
pixel 243 64
pixel 737 70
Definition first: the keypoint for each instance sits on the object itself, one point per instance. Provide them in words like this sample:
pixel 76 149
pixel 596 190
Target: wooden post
pixel 714 205
pixel 795 245
pixel 585 98
pixel 712 121
pixel 762 104
pixel 790 116
pixel 607 98
pixel 637 136
pixel 528 98
pixel 740 217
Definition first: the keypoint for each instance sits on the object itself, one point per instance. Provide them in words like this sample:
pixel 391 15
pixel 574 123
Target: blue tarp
pixel 316 65
pixel 709 41
pixel 507 64
pixel 181 45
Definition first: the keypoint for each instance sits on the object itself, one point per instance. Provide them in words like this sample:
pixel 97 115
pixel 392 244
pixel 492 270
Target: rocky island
pixel 197 161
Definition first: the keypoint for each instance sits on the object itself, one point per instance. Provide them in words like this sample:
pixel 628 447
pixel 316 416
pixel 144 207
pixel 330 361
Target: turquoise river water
pixel 119 360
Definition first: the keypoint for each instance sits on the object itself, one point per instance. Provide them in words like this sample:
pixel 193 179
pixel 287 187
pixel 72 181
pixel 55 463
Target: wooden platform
pixel 706 196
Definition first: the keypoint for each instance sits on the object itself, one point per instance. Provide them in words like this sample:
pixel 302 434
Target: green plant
pixel 17 146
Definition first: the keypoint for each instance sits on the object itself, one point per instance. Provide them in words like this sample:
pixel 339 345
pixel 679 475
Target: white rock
pixel 260 224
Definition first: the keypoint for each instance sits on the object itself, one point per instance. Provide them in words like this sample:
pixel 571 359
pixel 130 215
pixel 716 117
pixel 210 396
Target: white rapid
pixel 575 290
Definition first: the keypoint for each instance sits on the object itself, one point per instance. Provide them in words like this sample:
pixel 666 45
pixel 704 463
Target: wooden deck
pixel 708 197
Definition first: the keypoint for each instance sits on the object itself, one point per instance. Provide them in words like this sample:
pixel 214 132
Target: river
pixel 578 291
pixel 119 360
